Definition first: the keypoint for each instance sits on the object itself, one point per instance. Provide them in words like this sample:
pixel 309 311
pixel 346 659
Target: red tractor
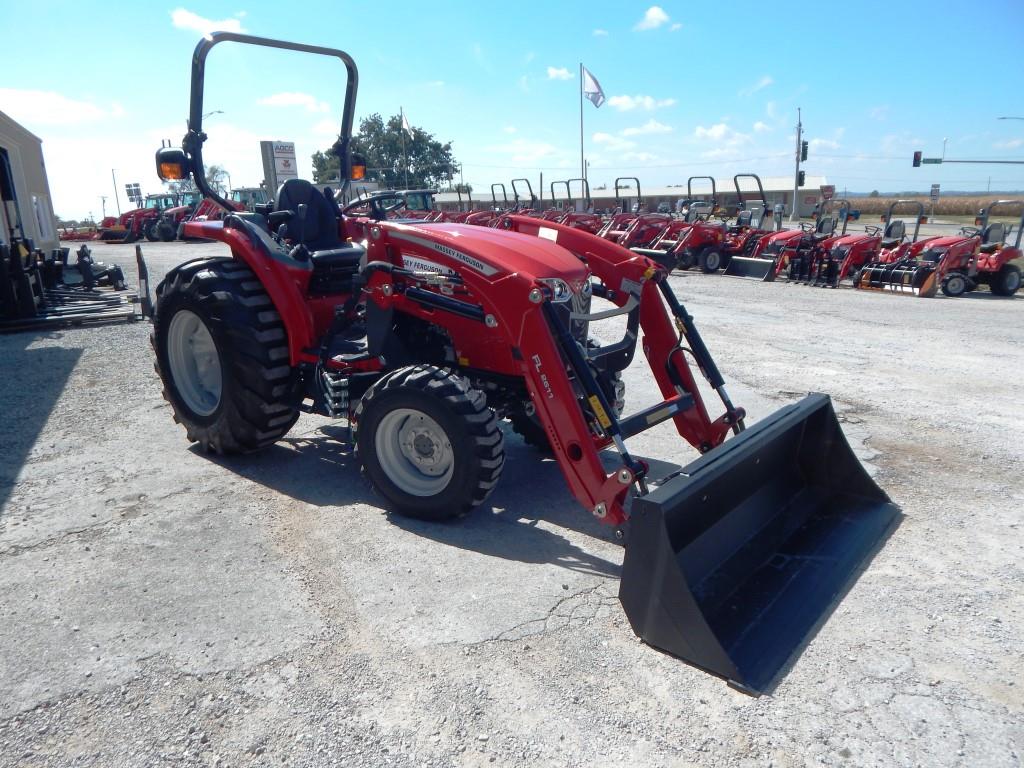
pixel 876 245
pixel 979 255
pixel 425 336
pixel 137 223
pixel 712 245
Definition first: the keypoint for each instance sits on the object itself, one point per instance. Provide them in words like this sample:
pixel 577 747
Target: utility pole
pixel 117 197
pixel 103 201
pixel 794 213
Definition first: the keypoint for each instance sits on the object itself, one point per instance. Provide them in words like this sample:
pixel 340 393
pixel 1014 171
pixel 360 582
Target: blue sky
pixel 693 89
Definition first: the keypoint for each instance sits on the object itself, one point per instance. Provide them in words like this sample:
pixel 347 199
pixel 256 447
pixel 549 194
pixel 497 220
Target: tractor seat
pixel 993 233
pixel 891 242
pixel 989 247
pixel 319 232
pixel 895 230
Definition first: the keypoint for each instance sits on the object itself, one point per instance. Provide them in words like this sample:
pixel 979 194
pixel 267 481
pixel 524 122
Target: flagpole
pixel 405 156
pixel 583 170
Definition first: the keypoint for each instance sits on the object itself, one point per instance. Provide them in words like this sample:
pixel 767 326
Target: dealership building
pixel 777 189
pixel 27 203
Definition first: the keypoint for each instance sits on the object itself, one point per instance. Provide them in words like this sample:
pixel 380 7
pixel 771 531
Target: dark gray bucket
pixel 733 564
pixel 750 268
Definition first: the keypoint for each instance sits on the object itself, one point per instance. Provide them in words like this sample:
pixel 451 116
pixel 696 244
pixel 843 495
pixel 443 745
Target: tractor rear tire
pixel 954 284
pixel 222 354
pixel 710 260
pixel 428 442
pixel 855 277
pixel 149 230
pixel 1006 281
pixel 166 232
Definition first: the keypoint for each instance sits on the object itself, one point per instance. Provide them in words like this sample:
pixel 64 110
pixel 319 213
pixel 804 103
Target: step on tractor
pixel 426 336
pixel 848 254
pixel 956 264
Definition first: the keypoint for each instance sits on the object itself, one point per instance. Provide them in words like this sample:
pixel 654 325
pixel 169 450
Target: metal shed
pixel 23 152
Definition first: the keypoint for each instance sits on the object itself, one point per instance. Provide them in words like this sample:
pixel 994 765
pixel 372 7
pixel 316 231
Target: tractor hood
pixel 854 238
pixel 493 253
pixel 949 241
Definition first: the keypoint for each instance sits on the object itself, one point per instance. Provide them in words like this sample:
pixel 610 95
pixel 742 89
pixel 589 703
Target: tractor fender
pixel 284 278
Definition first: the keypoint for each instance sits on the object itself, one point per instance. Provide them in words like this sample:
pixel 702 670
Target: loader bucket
pixel 901 277
pixel 751 268
pixel 732 564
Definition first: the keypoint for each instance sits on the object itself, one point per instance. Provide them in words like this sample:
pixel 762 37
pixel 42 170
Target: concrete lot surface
pixel 162 607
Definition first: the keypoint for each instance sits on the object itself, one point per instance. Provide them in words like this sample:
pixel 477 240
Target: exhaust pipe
pixel 732 564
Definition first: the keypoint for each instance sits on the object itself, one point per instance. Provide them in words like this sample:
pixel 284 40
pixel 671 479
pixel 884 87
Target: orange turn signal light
pixel 172 171
pixel 358 172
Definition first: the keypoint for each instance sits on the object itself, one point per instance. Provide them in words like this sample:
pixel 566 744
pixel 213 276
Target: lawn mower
pixel 426 335
pixel 956 264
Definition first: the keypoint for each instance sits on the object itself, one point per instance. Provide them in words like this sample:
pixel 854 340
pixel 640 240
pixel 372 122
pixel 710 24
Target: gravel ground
pixel 160 607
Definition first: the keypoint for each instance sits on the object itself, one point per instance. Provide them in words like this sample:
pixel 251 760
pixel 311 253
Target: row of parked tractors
pixel 161 216
pixel 749 240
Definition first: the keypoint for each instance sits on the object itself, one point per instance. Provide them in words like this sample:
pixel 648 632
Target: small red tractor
pixel 426 336
pixel 850 252
pixel 712 245
pixel 956 264
pixel 137 223
pixel 166 225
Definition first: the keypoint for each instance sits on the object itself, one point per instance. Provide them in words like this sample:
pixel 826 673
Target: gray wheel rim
pixel 1012 282
pixel 415 452
pixel 194 362
pixel 956 285
pixel 713 260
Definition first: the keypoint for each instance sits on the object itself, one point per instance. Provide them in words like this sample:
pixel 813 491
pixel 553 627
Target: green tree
pixel 430 163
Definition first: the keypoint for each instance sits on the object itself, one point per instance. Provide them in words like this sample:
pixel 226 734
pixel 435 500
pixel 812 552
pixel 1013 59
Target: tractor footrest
pixel 656 414
pixel 335 393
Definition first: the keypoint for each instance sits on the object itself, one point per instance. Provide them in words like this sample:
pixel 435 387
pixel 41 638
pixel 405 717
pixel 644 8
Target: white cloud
pixel 629 103
pixel 764 82
pixel 526 152
pixel 51 108
pixel 675 27
pixel 530 56
pixel 559 73
pixel 509 129
pixel 651 126
pixel 653 18
pixel 727 140
pixel 294 99
pixel 435 84
pixel 760 127
pixel 880 113
pixel 613 143
pixel 524 84
pixel 600 33
pixel 771 110
pixel 1010 144
pixel 184 19
pixel 326 127
pixel 823 144
pixel 639 157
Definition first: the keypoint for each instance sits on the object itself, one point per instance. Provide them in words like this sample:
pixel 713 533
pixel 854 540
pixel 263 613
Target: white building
pixel 22 153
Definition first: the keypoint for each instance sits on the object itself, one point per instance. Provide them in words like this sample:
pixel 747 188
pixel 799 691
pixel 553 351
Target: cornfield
pixel 947 206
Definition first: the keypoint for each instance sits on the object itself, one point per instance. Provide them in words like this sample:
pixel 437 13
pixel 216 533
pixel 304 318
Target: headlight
pixel 560 290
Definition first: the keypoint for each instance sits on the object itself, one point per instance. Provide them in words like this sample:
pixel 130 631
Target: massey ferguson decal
pixel 485 269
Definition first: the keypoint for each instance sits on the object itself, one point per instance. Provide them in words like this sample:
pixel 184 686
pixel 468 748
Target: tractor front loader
pixel 426 335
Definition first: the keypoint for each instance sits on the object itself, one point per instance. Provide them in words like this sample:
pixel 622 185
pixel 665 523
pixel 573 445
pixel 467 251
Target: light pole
pixel 1010 118
pixel 117 197
pixel 944 148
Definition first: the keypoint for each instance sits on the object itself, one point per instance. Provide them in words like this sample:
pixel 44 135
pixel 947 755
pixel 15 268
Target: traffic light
pixel 917 159
pixel 800 179
pixel 803 151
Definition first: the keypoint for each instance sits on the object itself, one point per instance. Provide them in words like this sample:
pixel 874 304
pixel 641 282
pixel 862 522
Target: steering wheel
pixel 807 227
pixel 970 231
pixel 377 211
pixel 873 230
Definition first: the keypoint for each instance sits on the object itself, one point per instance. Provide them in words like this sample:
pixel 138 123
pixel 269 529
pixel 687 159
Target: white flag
pixel 592 88
pixel 405 125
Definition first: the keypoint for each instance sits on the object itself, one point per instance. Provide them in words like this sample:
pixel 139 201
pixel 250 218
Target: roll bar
pixel 627 186
pixel 504 194
pixel 760 188
pixel 714 190
pixel 986 212
pixel 917 219
pixel 830 203
pixel 584 188
pixel 529 188
pixel 192 144
pixel 554 197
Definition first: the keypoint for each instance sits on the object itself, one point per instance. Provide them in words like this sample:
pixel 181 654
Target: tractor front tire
pixel 954 284
pixel 1006 281
pixel 710 260
pixel 428 442
pixel 222 354
pixel 149 230
pixel 166 231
